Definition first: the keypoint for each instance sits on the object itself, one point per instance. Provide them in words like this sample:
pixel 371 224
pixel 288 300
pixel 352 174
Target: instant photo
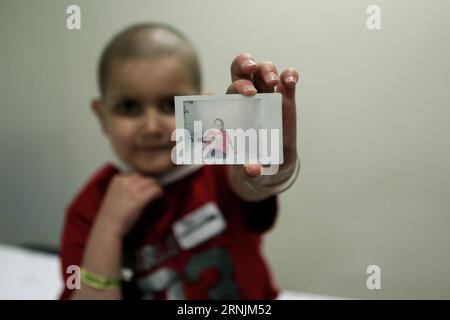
pixel 228 129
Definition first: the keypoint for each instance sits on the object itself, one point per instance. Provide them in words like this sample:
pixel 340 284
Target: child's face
pixel 218 124
pixel 137 112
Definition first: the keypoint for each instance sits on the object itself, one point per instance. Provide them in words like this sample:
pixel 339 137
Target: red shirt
pixel 227 265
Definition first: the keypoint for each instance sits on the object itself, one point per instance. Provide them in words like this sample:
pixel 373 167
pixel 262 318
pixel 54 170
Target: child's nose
pixel 152 121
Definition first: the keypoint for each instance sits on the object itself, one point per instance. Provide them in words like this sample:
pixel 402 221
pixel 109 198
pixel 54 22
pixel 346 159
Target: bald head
pixel 152 40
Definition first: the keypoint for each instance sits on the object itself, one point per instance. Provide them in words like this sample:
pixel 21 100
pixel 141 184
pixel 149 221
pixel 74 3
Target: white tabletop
pixel 32 275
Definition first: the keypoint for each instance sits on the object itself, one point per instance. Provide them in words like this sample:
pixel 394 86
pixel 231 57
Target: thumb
pixel 252 170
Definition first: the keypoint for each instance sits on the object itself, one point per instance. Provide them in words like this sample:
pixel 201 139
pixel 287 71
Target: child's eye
pixel 168 105
pixel 129 108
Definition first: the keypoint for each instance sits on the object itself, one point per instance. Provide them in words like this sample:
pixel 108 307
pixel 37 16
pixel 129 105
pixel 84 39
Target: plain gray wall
pixel 374 127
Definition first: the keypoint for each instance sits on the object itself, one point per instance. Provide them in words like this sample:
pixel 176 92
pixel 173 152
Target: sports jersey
pixel 198 241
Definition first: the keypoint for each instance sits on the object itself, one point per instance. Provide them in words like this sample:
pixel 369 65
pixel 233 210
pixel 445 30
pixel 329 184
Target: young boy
pixel 218 141
pixel 184 232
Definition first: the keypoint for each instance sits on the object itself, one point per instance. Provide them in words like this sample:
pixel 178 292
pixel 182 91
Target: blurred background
pixel 373 129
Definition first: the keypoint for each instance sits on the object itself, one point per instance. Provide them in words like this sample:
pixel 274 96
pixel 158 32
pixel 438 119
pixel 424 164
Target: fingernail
pixel 250 88
pixel 249 63
pixel 291 79
pixel 271 76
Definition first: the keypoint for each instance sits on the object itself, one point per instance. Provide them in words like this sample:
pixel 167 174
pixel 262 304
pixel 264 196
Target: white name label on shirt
pixel 198 226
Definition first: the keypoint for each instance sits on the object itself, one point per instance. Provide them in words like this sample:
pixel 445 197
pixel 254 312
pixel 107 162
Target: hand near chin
pixel 125 199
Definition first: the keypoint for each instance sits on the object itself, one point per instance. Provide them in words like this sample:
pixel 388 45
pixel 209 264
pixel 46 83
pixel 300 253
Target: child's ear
pixel 96 106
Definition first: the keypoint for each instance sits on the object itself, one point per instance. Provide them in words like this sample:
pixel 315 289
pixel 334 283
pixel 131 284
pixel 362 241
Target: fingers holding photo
pixel 246 73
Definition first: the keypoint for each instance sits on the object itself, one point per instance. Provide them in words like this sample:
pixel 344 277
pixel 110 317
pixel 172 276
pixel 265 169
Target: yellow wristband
pixel 99 282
